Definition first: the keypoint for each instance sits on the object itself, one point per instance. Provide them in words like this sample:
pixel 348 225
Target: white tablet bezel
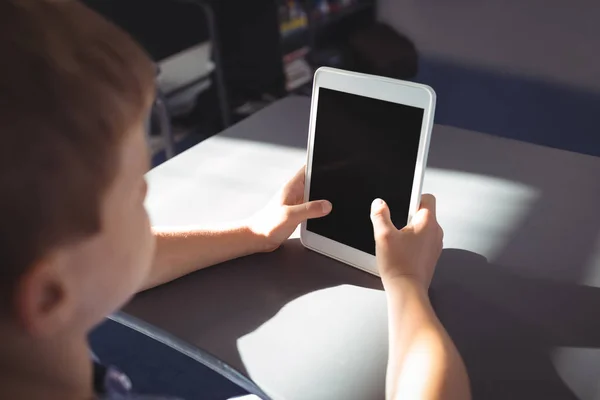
pixel 396 91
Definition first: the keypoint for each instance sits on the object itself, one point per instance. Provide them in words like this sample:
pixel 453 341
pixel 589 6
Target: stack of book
pixel 297 70
pixel 292 17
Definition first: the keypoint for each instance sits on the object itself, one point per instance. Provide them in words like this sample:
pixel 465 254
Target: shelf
pixel 295 40
pixel 295 35
pixel 321 22
pixel 293 32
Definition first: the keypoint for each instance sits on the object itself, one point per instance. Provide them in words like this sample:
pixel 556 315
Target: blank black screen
pixel 363 149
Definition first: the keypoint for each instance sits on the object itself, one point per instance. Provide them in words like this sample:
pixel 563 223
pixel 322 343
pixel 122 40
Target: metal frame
pixel 216 50
pixel 161 112
pixel 160 109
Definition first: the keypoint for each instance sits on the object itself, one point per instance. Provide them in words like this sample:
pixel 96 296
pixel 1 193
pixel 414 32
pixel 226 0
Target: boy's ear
pixel 43 302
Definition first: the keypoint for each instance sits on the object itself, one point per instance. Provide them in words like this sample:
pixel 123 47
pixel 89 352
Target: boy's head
pixel 75 240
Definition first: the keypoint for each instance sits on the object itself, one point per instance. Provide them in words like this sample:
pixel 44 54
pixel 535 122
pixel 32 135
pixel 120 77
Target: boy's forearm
pixel 180 252
pixel 423 361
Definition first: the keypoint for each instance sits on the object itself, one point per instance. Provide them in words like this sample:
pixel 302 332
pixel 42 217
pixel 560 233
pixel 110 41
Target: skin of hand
pixel 282 215
pixel 181 251
pixel 411 252
pixel 423 361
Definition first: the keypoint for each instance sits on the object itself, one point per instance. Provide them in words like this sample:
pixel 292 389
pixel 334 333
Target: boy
pixel 76 242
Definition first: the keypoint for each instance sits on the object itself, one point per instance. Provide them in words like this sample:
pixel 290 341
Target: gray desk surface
pixel 517 286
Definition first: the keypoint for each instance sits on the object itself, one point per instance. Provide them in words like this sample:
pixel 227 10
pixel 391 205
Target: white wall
pixel 556 40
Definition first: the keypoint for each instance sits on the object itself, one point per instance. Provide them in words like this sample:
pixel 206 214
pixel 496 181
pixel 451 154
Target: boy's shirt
pixel 112 384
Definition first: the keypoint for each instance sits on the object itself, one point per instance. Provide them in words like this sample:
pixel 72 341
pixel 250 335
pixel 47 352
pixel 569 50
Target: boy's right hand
pixel 411 252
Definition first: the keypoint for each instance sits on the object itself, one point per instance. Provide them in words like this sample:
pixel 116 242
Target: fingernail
pixel 376 203
pixel 327 206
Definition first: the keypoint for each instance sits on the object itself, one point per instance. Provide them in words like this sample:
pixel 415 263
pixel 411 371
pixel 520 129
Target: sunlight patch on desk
pixel 321 348
pixel 579 368
pixel 252 144
pixel 483 221
pixel 241 171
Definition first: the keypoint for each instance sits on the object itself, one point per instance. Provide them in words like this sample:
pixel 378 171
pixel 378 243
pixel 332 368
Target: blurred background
pixel 523 69
pixel 526 69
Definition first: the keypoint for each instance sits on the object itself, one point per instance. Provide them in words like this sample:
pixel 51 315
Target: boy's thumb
pixel 313 209
pixel 381 217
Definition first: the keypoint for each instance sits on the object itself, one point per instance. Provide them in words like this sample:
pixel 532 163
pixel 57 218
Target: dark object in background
pixel 168 29
pixel 380 50
pixel 251 48
pixel 329 58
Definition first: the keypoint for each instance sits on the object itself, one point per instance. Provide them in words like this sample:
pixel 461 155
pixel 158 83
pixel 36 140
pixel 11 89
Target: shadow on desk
pixel 527 322
pixel 240 301
pixel 515 333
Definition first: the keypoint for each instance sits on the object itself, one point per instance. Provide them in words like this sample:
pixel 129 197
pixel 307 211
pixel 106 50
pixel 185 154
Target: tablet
pixel 368 138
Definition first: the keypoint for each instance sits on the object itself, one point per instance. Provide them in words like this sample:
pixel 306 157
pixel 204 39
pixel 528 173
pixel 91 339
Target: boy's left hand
pixel 278 220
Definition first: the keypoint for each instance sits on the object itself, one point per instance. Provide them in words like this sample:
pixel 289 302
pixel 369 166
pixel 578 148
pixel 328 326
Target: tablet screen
pixel 363 149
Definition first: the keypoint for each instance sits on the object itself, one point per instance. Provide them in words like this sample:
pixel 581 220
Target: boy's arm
pixel 181 251
pixel 423 361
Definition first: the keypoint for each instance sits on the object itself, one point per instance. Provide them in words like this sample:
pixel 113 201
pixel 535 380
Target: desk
pixel 517 286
